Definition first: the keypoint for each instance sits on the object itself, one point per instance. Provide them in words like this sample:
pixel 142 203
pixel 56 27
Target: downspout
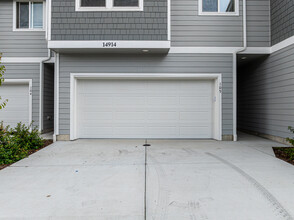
pixel 41 104
pixel 235 70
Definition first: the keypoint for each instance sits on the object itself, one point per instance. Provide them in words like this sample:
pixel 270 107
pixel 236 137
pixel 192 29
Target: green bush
pixel 291 140
pixel 16 143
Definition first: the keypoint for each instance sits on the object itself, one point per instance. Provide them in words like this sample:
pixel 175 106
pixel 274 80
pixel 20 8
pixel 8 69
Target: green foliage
pixel 2 71
pixel 291 140
pixel 16 143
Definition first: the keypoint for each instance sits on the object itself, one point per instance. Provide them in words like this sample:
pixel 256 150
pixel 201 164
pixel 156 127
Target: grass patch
pixel 285 153
pixel 18 143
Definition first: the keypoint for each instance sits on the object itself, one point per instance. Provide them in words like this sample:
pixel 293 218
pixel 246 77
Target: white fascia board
pixel 256 50
pixel 253 50
pixel 22 59
pixel 100 44
pixel 285 43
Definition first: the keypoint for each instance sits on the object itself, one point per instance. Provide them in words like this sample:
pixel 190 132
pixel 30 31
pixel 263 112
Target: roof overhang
pixel 110 46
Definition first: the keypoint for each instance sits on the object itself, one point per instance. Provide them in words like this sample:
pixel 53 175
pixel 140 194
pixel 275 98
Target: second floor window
pixel 29 15
pixel 111 5
pixel 218 7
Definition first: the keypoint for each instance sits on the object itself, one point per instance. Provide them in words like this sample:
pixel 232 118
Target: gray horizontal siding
pixel 48 106
pixel 190 29
pixel 150 24
pixel 19 43
pixel 266 95
pixel 27 71
pixel 258 23
pixel 282 20
pixel 172 63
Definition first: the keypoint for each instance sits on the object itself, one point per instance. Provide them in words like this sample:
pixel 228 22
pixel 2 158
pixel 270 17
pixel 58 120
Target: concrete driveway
pixel 185 180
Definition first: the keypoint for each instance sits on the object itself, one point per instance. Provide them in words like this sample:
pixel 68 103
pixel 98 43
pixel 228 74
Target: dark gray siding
pixel 282 20
pixel 19 43
pixel 258 23
pixel 150 24
pixel 190 29
pixel 172 63
pixel 48 106
pixel 27 71
pixel 266 95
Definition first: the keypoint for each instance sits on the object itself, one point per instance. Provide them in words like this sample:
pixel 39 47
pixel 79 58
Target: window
pixel 29 15
pixel 218 7
pixel 109 5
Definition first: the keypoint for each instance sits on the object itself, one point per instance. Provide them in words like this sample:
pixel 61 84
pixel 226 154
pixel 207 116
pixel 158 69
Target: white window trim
pixel 236 13
pixel 28 29
pixel 109 7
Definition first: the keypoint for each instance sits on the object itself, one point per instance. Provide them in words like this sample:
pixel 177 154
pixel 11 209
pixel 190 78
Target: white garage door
pixel 144 108
pixel 17 108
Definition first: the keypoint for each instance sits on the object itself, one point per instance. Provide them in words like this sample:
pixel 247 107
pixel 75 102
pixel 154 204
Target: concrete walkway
pixel 185 180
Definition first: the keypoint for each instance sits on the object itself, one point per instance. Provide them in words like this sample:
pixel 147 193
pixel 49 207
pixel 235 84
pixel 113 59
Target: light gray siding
pixel 171 63
pixel 150 24
pixel 190 29
pixel 282 20
pixel 19 43
pixel 258 23
pixel 27 71
pixel 266 95
pixel 48 106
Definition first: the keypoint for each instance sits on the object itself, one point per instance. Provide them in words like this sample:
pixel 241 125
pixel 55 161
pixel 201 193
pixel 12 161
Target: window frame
pixel 109 7
pixel 30 28
pixel 218 13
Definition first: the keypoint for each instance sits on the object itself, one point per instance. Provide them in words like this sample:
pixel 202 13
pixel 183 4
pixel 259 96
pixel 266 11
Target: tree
pixel 2 71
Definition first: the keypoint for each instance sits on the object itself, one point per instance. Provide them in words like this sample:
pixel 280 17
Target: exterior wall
pixel 188 29
pixel 27 71
pixel 150 24
pixel 19 43
pixel 282 20
pixel 266 95
pixel 48 106
pixel 258 23
pixel 171 63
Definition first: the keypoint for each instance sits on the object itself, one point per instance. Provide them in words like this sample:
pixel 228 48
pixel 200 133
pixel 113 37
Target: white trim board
pixel 285 43
pixel 30 84
pixel 22 59
pixel 225 50
pixel 101 44
pixel 218 93
pixel 218 13
pixel 109 7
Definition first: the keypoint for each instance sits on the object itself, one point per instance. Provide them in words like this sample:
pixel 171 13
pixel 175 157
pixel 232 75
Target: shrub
pixel 291 140
pixel 27 136
pixel 16 143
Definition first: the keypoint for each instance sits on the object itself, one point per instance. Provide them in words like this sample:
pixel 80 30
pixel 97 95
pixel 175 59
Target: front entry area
pixel 145 108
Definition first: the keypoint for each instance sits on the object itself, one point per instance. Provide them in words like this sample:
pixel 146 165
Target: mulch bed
pixel 46 143
pixel 283 153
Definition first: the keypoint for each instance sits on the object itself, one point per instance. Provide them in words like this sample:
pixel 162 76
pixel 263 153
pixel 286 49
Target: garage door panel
pixel 17 108
pixel 144 108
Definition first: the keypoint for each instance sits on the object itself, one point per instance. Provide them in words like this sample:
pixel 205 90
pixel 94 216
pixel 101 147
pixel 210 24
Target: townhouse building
pixel 193 69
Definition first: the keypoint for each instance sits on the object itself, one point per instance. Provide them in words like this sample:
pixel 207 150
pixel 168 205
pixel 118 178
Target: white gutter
pixel 235 70
pixel 56 97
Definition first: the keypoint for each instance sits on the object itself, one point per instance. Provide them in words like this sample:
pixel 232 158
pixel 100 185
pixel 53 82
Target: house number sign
pixel 109 44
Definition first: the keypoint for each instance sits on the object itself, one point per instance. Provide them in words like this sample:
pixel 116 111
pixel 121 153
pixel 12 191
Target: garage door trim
pixel 217 77
pixel 29 82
